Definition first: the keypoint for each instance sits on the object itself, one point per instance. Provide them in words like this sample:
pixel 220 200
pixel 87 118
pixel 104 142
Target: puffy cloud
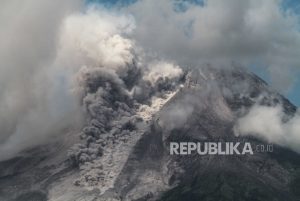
pixel 268 123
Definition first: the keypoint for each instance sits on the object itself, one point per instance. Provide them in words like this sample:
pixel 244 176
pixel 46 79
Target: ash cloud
pixel 54 67
pixel 67 62
pixel 162 69
pixel 34 97
pixel 61 60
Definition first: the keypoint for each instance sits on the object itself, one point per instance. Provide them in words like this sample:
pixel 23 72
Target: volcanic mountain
pixel 123 152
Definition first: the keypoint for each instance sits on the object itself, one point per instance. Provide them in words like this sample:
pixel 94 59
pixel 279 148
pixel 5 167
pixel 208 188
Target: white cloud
pixel 267 124
pixel 221 32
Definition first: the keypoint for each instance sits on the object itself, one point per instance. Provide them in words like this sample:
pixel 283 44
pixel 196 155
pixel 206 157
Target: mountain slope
pixel 123 151
pixel 206 109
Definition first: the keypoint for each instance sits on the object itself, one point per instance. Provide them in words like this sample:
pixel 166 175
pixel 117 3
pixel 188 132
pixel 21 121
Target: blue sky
pixel 292 94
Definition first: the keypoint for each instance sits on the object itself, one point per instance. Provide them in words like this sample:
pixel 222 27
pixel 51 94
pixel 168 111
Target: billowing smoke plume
pixel 162 70
pixel 71 61
pixel 44 68
pixel 35 100
pixel 269 124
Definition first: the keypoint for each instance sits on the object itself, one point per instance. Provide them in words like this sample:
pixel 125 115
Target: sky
pixel 288 6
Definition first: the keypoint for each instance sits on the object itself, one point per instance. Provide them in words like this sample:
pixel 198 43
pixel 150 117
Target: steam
pixel 267 124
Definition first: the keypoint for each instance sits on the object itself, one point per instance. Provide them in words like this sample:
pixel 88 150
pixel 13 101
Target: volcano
pixel 123 152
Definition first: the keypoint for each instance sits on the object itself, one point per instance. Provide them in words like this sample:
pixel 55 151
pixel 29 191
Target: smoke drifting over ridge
pixel 50 51
pixel 267 124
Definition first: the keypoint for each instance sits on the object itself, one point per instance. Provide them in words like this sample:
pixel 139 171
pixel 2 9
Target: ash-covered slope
pixel 82 165
pixel 205 110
